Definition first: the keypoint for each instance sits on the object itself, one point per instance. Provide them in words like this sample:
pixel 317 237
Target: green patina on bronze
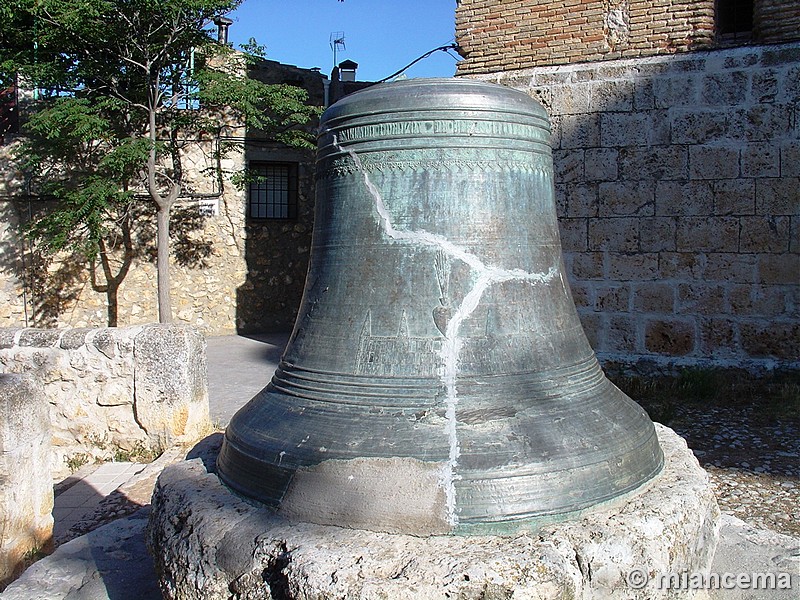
pixel 437 325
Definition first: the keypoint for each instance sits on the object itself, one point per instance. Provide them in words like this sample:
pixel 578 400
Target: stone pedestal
pixel 209 543
pixel 26 488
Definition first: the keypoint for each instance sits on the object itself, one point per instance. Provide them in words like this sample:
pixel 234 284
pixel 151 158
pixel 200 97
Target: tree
pixel 121 85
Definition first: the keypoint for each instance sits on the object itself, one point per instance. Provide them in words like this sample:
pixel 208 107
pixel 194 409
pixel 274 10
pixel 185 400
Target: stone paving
pixel 81 495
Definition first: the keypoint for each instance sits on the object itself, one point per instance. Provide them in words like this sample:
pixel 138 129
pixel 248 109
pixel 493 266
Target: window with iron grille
pixel 735 19
pixel 273 191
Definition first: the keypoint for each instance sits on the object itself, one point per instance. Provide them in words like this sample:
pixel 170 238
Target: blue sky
pixel 382 36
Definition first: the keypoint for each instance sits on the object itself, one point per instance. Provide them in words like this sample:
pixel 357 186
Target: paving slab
pixel 109 563
pixel 238 368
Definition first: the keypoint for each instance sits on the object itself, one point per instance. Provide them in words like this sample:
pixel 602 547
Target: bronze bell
pixel 438 379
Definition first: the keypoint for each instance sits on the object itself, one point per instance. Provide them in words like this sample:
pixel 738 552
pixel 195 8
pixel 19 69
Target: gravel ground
pixel 754 466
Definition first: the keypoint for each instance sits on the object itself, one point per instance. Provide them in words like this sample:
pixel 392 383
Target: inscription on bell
pixel 441 127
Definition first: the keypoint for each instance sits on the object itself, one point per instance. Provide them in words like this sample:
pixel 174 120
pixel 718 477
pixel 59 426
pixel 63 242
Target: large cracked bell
pixel 438 379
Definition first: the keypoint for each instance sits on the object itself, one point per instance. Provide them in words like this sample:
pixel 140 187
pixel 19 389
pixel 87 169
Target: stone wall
pixel 776 20
pixel 115 389
pixel 276 254
pixel 218 255
pixel 26 489
pixel 678 190
pixel 228 273
pixel 500 36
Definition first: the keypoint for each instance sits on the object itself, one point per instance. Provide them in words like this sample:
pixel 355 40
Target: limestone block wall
pixel 678 191
pixel 26 489
pixel 228 273
pixel 141 387
pixel 277 253
pixel 208 260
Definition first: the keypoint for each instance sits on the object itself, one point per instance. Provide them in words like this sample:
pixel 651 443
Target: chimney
pixel 222 24
pixel 347 70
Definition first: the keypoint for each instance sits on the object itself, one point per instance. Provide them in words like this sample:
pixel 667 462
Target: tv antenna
pixel 337 40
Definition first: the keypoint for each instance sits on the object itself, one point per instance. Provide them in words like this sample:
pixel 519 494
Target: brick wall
pixel 678 190
pixel 505 35
pixel 776 20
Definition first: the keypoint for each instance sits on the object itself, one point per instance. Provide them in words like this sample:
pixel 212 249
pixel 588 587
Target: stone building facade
pixel 677 165
pixel 234 267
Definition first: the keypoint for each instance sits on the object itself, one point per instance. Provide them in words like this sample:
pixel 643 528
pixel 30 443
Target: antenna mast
pixel 337 40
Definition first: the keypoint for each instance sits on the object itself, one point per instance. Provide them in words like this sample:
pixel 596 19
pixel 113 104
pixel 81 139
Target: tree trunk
pixel 113 305
pixel 113 282
pixel 162 264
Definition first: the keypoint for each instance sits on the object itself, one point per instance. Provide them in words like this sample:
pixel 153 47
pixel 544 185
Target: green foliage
pixel 118 88
pixel 81 218
pixel 139 453
pixel 76 461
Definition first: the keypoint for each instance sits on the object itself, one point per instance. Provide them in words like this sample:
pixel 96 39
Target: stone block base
pixel 26 489
pixel 209 543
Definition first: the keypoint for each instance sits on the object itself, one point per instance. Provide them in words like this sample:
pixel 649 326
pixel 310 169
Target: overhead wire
pixel 446 48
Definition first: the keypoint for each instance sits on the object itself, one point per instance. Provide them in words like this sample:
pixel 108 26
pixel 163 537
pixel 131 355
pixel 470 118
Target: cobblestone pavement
pixel 754 466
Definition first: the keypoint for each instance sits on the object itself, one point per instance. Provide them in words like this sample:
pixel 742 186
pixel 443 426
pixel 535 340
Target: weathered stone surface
pixel 110 563
pixel 774 339
pixel 208 544
pixel 581 200
pixel 170 383
pixel 709 234
pixel 718 333
pixel 626 198
pixel 601 164
pixel 745 549
pixel 654 297
pixel 632 267
pixel 26 489
pixel 779 269
pixel 588 265
pixel 657 234
pixel 683 198
pixel 568 165
pixel 621 334
pixel 761 160
pixel 659 162
pixel 617 235
pixel 573 235
pixel 701 299
pixel 713 162
pixel 7 337
pixel 104 394
pixel 734 197
pixel 723 266
pixel 669 337
pixel 39 338
pixel 765 234
pixel 612 298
